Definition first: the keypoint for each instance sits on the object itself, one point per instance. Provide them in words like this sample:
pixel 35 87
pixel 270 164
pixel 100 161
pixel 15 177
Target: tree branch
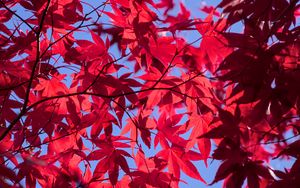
pixel 37 60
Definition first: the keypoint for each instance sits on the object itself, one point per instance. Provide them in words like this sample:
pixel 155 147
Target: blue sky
pixel 206 173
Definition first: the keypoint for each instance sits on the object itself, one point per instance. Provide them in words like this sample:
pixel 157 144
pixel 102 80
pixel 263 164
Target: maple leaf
pixel 180 160
pixel 199 128
pixel 212 55
pixel 110 158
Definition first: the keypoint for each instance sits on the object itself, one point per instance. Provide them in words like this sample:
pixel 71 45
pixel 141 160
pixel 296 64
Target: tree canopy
pixel 136 93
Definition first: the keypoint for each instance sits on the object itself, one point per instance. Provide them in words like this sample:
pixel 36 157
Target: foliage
pixel 131 93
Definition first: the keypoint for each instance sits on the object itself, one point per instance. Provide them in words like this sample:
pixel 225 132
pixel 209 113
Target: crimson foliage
pixel 115 94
